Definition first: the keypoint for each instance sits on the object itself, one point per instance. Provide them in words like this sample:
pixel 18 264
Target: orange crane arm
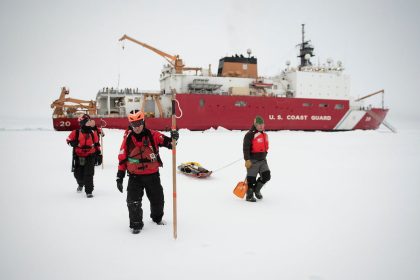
pixel 170 58
pixel 60 104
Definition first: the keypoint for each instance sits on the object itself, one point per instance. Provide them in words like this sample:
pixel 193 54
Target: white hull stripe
pixel 350 120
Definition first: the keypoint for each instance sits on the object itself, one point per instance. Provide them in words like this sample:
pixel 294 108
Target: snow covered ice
pixel 339 206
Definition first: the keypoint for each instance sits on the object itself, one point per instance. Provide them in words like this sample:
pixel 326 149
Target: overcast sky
pixel 48 44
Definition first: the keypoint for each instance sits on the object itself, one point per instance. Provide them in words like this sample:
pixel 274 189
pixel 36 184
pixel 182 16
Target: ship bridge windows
pixel 307 104
pixel 240 103
pixel 338 106
pixel 323 105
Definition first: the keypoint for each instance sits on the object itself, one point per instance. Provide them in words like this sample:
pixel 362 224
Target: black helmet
pixel 83 119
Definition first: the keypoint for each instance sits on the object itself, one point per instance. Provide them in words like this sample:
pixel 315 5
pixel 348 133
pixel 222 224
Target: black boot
pixel 258 190
pixel 250 195
pixel 136 227
pixel 135 230
pixel 136 216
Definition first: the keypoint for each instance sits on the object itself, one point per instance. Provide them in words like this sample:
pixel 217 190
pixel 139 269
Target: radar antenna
pixel 306 51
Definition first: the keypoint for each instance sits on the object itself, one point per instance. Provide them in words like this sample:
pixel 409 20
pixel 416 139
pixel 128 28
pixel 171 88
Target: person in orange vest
pixel 139 157
pixel 86 153
pixel 255 149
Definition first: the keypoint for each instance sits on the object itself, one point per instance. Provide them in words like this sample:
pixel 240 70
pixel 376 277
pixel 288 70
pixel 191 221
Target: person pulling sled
pixel 255 149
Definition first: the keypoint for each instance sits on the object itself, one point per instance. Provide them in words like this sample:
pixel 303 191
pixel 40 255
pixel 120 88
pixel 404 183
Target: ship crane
pixel 174 60
pixel 62 108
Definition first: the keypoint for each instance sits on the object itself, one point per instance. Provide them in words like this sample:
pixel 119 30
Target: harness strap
pixel 148 134
pixel 86 146
pixel 136 160
pixel 154 149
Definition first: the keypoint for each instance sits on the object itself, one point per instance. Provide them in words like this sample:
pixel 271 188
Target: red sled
pixel 194 169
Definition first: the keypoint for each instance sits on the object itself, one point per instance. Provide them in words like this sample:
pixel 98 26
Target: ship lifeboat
pixel 260 84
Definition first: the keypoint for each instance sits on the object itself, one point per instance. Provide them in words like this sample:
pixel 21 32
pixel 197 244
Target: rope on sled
pixel 233 162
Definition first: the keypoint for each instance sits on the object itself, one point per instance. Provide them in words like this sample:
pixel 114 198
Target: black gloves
pixel 73 143
pixel 120 178
pixel 174 135
pixel 98 158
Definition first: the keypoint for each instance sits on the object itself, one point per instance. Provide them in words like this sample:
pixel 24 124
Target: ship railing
pixel 325 69
pixel 114 115
pixel 147 115
pixel 126 91
pixel 373 94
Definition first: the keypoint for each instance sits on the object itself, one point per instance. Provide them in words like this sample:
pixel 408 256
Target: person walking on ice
pixel 255 149
pixel 86 153
pixel 139 156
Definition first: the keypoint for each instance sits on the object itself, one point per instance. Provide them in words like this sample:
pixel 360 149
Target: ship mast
pixel 306 51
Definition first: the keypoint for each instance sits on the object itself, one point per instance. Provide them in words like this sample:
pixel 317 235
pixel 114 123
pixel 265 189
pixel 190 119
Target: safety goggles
pixel 137 123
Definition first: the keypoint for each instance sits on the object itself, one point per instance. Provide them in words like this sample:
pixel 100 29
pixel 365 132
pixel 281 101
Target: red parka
pixel 139 154
pixel 87 142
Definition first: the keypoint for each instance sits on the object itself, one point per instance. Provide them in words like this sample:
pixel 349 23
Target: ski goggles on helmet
pixel 137 123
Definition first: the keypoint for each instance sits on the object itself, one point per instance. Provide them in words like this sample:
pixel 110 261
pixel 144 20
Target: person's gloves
pixel 73 143
pixel 248 164
pixel 120 178
pixel 98 158
pixel 174 135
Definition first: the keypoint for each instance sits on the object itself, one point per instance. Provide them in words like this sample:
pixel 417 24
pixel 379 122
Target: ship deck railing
pixel 128 92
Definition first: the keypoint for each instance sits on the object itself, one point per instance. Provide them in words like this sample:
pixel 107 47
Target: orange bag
pixel 240 189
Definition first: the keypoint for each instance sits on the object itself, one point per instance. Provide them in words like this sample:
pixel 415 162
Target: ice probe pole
pixel 174 166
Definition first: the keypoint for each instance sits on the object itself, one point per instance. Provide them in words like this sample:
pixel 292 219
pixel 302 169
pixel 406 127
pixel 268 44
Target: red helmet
pixel 136 118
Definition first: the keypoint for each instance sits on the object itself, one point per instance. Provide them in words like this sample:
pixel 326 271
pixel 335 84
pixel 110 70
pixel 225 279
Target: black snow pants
pixel 154 192
pixel 83 172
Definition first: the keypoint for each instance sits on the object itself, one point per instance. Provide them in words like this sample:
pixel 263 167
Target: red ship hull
pixel 204 111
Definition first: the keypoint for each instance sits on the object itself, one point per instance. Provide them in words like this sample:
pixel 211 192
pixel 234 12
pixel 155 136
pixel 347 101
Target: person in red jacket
pixel 86 152
pixel 255 149
pixel 139 157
